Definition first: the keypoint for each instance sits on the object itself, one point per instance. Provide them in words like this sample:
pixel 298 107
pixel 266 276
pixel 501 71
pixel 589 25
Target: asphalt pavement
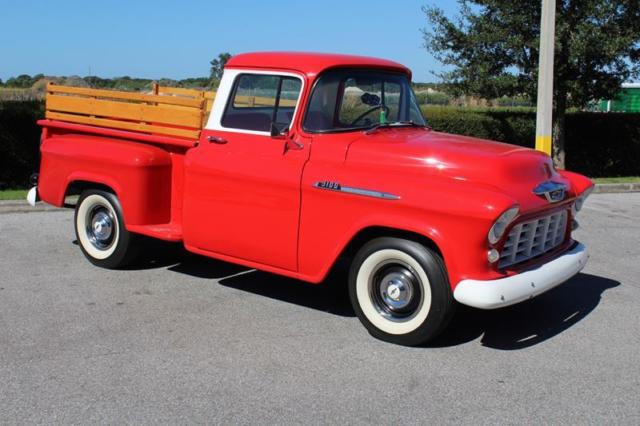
pixel 182 339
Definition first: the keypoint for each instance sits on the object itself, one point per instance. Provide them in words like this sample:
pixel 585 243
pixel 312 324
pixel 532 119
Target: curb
pixel 16 206
pixel 21 206
pixel 613 188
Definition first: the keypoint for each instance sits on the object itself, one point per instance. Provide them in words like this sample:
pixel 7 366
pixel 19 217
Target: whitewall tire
pixel 400 291
pixel 100 230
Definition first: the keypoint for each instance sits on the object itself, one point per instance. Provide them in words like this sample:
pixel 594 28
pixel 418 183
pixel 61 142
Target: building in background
pixel 627 100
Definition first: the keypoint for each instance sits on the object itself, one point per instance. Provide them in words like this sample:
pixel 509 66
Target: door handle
pixel 216 139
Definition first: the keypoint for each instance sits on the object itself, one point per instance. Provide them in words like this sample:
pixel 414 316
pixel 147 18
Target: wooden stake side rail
pixel 178 116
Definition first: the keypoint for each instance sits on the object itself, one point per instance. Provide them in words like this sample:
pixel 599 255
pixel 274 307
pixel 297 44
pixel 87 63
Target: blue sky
pixel 155 39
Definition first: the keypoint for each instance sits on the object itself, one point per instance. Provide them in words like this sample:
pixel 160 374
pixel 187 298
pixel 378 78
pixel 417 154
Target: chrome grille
pixel 533 238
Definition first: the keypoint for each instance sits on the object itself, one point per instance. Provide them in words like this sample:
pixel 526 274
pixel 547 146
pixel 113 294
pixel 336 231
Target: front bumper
pixel 494 294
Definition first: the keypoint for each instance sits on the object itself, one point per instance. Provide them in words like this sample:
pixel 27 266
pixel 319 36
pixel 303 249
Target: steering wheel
pixel 369 111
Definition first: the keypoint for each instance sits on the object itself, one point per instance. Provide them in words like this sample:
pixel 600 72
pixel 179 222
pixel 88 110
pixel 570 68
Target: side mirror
pixel 293 145
pixel 289 143
pixel 278 133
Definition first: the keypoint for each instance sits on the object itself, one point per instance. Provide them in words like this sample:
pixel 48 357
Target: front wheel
pixel 100 230
pixel 400 291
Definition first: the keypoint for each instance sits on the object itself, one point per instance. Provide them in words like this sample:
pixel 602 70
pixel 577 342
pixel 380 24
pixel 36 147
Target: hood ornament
pixel 552 191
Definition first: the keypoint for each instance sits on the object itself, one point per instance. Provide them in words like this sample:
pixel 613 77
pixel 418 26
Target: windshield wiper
pixel 408 123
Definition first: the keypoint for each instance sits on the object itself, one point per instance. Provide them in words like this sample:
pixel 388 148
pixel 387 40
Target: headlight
pixel 577 206
pixel 500 225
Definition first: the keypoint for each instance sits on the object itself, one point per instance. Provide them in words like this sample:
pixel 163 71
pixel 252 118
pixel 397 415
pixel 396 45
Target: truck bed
pixel 123 139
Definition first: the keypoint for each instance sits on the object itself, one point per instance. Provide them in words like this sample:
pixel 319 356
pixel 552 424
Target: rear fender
pixel 139 174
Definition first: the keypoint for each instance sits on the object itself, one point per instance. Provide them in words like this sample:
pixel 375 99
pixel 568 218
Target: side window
pixel 259 100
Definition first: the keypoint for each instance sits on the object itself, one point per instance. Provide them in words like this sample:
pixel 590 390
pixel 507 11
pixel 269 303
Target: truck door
pixel 242 184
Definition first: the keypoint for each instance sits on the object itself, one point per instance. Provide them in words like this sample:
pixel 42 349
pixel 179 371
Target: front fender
pixel 454 215
pixel 579 182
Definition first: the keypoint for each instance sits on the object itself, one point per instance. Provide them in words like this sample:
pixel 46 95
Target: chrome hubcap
pixel 100 227
pixel 395 290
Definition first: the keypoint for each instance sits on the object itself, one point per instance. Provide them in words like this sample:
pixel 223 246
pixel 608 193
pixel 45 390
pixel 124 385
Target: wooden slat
pixel 194 93
pixel 179 116
pixel 124 125
pixel 209 96
pixel 129 96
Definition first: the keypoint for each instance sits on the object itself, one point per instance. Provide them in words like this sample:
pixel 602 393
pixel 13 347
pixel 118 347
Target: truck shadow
pixel 331 296
pixel 512 328
pixel 529 323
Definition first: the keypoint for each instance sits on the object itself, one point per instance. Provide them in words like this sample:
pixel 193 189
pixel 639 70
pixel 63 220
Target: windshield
pixel 344 100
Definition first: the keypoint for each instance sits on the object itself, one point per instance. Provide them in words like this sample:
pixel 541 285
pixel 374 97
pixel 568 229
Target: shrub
pixel 603 144
pixel 506 101
pixel 437 98
pixel 432 98
pixel 19 141
pixel 515 127
pixel 596 144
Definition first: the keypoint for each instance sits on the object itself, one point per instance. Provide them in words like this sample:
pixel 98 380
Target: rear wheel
pixel 100 230
pixel 400 291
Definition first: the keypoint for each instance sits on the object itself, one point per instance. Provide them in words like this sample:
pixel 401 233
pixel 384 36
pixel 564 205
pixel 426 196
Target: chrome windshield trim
pixel 336 187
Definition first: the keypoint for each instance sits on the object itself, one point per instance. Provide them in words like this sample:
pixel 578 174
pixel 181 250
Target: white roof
pixel 631 85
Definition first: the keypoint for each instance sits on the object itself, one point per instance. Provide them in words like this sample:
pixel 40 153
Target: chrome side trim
pixel 370 193
pixel 336 187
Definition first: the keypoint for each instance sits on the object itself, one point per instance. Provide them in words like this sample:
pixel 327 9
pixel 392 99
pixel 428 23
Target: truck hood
pixel 510 169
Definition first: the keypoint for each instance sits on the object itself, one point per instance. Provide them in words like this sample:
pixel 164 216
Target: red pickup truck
pixel 306 158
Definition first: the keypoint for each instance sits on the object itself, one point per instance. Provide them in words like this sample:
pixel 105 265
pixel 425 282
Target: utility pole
pixel 544 116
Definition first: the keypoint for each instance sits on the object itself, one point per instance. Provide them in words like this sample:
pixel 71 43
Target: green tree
pixel 23 81
pixel 491 50
pixel 217 65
